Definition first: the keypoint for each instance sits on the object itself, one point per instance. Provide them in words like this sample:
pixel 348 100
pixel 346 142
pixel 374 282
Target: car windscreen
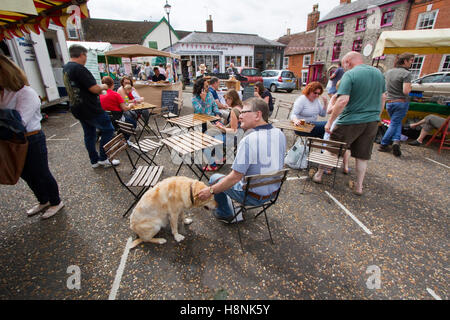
pixel 251 72
pixel 287 74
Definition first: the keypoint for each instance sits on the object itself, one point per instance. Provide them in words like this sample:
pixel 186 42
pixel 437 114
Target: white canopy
pixel 414 41
pixel 96 46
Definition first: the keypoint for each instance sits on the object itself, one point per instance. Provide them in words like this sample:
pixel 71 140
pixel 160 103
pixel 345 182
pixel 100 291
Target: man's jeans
pixel 225 206
pixel 103 123
pixel 397 111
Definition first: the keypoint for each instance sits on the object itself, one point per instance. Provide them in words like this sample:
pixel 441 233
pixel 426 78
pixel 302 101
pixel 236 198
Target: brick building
pixel 299 51
pixel 429 14
pixel 356 26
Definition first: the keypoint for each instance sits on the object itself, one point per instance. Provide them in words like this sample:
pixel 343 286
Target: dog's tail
pixel 135 243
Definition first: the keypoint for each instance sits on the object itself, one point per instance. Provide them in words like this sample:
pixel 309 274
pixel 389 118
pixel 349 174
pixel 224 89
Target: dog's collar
pixel 192 194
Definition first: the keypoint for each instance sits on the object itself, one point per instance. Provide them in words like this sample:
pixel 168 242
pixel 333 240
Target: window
pixel 416 66
pixel 361 24
pixel 236 60
pixel 445 65
pixel 250 72
pixel 287 74
pixel 426 20
pixel 387 18
pixel 285 62
pixel 72 32
pixel 248 61
pixel 306 60
pixel 357 45
pixel 153 45
pixel 340 28
pixel 336 51
pixel 446 78
pixel 304 77
pixel 435 78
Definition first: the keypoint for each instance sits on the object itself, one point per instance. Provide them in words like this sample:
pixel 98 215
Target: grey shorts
pixel 432 122
pixel 359 138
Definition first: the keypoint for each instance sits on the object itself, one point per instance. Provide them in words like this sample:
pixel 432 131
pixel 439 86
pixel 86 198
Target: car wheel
pixel 273 88
pixel 289 90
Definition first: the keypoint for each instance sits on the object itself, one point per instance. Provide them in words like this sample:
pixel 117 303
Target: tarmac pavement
pixel 390 243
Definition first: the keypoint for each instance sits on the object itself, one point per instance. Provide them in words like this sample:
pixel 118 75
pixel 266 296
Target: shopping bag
pixel 297 156
pixel 13 153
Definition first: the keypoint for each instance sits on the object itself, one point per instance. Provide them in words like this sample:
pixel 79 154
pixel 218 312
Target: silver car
pixel 435 84
pixel 279 80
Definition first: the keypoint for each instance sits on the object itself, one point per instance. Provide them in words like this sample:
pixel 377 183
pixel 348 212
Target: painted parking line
pixel 433 294
pixel 119 273
pixel 51 137
pixel 296 178
pixel 349 214
pixel 72 125
pixel 438 163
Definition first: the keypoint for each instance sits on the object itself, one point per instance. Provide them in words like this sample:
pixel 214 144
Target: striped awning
pixel 18 17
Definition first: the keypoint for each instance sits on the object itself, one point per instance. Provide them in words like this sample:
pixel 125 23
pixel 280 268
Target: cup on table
pixel 302 122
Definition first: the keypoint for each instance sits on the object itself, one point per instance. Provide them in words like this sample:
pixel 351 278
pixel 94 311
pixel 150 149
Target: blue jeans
pixel 103 123
pixel 225 206
pixel 397 111
pixel 36 172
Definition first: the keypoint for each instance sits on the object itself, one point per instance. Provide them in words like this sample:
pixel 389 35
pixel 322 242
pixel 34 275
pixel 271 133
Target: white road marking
pixel 72 125
pixel 438 163
pixel 51 137
pixel 433 294
pixel 350 214
pixel 119 273
pixel 63 139
pixel 296 178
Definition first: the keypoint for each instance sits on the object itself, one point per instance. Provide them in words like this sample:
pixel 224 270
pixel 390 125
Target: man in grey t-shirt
pixel 398 85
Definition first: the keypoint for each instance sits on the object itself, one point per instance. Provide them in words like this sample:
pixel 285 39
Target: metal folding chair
pixel 254 181
pixel 143 178
pixel 286 105
pixel 443 140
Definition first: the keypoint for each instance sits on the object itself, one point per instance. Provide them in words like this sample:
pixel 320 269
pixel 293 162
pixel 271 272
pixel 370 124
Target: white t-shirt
pixel 305 109
pixel 27 103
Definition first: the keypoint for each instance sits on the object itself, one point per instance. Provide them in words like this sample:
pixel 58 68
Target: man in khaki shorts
pixel 359 104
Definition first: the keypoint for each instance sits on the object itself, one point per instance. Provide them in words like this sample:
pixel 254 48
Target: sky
pixel 268 19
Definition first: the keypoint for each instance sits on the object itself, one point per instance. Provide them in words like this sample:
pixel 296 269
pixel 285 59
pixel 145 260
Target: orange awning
pixel 18 16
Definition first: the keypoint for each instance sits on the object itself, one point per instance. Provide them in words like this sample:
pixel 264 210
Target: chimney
pixel 345 1
pixel 209 25
pixel 313 18
pixel 288 32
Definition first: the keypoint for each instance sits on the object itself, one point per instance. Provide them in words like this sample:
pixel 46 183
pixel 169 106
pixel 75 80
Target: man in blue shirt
pixel 260 151
pixel 223 108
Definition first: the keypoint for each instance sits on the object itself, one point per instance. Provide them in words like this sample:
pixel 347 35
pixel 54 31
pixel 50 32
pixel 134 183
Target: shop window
pixel 336 51
pixel 357 45
pixel 387 18
pixel 285 62
pixel 361 24
pixel 416 66
pixel 426 20
pixel 306 60
pixel 340 28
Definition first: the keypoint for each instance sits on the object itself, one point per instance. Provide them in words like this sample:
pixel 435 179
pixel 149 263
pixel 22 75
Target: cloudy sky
pixel 268 19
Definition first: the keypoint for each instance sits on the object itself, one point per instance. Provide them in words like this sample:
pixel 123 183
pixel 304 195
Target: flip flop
pixel 351 185
pixel 346 171
pixel 211 168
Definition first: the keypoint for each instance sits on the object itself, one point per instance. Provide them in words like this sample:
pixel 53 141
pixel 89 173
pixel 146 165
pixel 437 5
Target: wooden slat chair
pixel 286 105
pixel 317 155
pixel 146 149
pixel 254 181
pixel 143 178
pixel 443 140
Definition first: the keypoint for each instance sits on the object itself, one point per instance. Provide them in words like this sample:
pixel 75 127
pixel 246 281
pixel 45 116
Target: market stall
pixel 150 91
pixel 431 41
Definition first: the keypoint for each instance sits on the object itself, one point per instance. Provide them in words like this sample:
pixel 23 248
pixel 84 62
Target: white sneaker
pixel 52 211
pixel 106 163
pixel 37 208
pixel 95 165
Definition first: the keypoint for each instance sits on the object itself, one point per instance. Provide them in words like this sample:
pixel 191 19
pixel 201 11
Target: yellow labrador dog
pixel 164 203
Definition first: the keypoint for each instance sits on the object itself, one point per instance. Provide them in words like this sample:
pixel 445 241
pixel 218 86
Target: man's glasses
pixel 245 111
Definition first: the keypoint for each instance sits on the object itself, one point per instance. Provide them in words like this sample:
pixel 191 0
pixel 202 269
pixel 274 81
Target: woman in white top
pixel 16 94
pixel 308 107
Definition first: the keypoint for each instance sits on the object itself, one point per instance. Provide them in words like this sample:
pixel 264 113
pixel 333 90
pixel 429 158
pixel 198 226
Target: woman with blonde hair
pixel 16 94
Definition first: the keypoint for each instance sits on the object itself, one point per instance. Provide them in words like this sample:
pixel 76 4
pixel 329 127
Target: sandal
pixel 351 185
pixel 346 171
pixel 211 168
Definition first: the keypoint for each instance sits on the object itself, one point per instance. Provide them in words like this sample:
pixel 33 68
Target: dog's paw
pixel 179 237
pixel 188 221
pixel 160 240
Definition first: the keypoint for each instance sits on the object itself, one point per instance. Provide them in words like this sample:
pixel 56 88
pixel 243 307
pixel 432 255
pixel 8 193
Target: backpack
pixel 297 156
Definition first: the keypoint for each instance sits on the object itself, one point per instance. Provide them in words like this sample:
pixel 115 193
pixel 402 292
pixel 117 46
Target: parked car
pixel 435 84
pixel 251 75
pixel 279 80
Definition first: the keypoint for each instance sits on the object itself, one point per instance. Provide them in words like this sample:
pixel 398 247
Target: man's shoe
pixel 52 211
pixel 383 148
pixel 415 143
pixel 106 163
pixel 396 150
pixel 95 165
pixel 230 220
pixel 37 208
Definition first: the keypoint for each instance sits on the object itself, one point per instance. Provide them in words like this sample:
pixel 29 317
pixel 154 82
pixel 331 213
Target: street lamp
pixel 167 8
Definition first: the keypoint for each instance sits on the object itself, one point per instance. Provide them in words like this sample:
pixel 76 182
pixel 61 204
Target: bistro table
pixel 141 119
pixel 289 125
pixel 192 120
pixel 192 143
